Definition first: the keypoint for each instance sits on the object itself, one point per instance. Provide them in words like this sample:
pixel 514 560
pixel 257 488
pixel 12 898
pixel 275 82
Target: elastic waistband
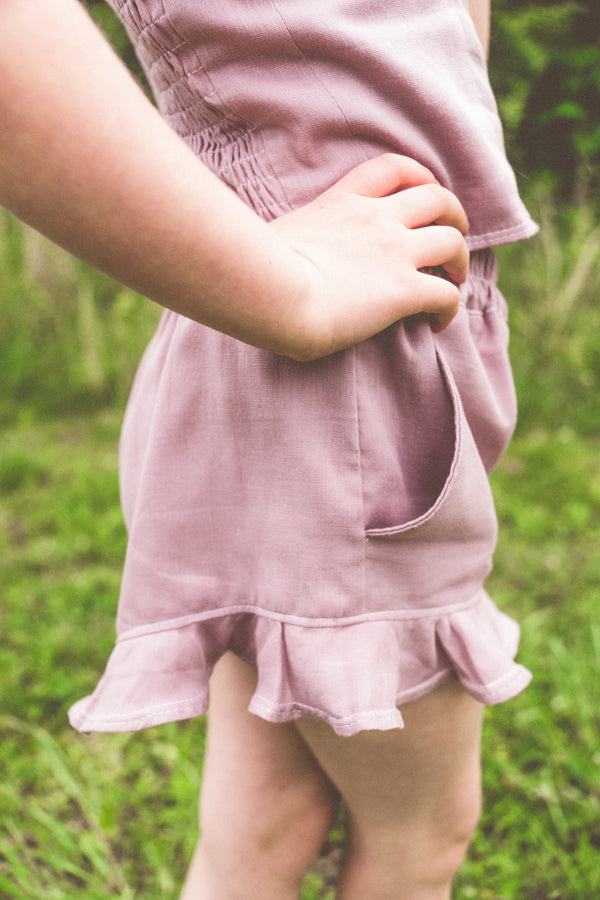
pixel 483 264
pixel 480 291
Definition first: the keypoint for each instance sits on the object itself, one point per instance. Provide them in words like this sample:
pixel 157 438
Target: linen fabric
pixel 330 522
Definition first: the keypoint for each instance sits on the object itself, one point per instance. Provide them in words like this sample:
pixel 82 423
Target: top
pixel 280 102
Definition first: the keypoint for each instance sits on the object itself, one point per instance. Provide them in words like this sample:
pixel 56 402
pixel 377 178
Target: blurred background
pixel 115 816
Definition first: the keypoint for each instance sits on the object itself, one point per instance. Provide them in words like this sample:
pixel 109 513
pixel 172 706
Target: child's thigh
pixel 256 773
pixel 424 778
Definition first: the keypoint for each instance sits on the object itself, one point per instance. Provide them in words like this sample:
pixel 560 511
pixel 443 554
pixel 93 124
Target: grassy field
pixel 115 816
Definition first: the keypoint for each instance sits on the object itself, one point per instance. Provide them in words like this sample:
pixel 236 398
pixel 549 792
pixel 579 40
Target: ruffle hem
pixel 171 663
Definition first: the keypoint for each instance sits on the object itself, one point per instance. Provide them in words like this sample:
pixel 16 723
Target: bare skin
pixel 266 807
pixel 412 796
pixel 480 12
pixel 270 792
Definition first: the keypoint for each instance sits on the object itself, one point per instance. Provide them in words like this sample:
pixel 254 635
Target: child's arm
pixel 87 160
pixel 480 11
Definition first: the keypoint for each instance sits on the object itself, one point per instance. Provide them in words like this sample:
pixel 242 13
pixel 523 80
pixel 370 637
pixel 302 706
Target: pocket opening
pixel 459 424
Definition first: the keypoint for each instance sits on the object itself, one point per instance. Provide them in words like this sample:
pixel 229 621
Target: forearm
pixel 87 160
pixel 480 13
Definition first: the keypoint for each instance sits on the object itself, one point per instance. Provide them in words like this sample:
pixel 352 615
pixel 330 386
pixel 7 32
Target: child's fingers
pixel 441 245
pixel 431 203
pixel 382 176
pixel 442 301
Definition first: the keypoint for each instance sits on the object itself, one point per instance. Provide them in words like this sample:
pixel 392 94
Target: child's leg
pixel 412 796
pixel 266 807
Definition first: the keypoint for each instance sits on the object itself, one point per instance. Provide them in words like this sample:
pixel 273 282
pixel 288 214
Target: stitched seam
pixel 275 205
pixel 254 182
pixel 143 31
pixel 164 52
pixel 523 229
pixel 360 473
pixel 487 311
pixel 394 616
pixel 412 524
pixel 121 4
pixel 516 673
pixel 244 159
pixel 224 112
pixel 283 709
pixel 147 712
pixel 318 79
pixel 198 101
pixel 216 123
pixel 185 74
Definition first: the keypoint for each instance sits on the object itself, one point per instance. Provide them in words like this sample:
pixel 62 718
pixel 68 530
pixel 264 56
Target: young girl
pixel 310 521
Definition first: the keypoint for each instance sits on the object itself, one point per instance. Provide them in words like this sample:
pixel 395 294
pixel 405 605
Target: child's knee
pixel 447 855
pixel 450 832
pixel 284 827
pixel 447 841
pixel 423 852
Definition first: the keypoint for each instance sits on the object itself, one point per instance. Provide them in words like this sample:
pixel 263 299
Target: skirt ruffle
pixel 355 676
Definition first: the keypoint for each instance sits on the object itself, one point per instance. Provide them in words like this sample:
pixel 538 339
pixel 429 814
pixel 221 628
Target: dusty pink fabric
pixel 282 97
pixel 331 522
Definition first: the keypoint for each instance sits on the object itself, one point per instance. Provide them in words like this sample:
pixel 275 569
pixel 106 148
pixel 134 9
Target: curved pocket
pixel 463 511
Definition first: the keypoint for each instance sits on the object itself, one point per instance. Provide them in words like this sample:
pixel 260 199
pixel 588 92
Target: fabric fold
pixel 329 677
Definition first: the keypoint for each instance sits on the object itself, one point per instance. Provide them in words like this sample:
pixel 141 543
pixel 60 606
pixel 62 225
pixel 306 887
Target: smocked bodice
pixel 281 97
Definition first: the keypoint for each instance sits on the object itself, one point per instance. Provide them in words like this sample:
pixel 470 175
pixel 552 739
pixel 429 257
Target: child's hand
pixel 90 163
pixel 364 243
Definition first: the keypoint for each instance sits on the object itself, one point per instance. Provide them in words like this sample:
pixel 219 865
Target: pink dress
pixel 330 522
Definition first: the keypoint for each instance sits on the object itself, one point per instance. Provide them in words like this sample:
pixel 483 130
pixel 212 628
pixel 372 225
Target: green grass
pixel 96 816
pixel 115 815
pixel 540 834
